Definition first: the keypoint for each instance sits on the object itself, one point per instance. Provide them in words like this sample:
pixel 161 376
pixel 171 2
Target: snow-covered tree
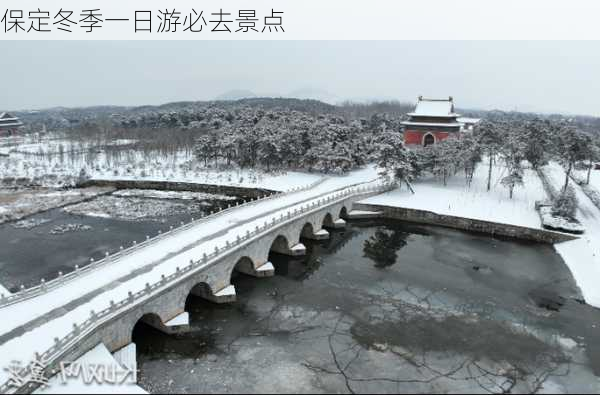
pixel 513 179
pixel 470 156
pixel 536 135
pixel 396 160
pixel 574 146
pixel 513 152
pixel 489 137
pixel 593 157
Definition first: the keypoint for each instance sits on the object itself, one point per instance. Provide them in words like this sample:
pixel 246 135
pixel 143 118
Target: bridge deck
pixel 31 325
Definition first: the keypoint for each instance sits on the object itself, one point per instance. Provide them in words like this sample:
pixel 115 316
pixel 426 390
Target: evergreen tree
pixel 513 154
pixel 593 157
pixel 575 146
pixel 489 137
pixel 395 159
pixel 537 139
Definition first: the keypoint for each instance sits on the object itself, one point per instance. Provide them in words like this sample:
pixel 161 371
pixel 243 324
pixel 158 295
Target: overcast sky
pixel 525 76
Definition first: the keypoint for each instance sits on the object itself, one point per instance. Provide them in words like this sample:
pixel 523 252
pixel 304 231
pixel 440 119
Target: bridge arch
pixel 307 231
pixel 327 221
pixel 136 332
pixel 343 213
pixel 245 265
pixel 200 289
pixel 280 244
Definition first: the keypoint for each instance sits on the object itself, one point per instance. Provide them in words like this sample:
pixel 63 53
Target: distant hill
pixel 180 114
pixel 236 94
pixel 315 94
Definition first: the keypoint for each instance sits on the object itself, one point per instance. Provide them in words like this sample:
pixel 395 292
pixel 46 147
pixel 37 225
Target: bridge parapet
pixel 64 347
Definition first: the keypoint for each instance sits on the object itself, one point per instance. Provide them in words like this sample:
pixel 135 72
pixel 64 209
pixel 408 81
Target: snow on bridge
pixel 33 325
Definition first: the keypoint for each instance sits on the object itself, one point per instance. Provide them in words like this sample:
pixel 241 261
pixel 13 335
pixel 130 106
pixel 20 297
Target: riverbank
pixel 467 224
pixel 167 185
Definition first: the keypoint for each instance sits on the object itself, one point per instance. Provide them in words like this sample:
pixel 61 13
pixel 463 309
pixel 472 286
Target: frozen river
pixel 389 307
pixel 43 244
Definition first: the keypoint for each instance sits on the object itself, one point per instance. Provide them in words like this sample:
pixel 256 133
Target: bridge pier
pixel 265 270
pixel 246 266
pixel 176 325
pixel 225 295
pixel 297 250
pixel 322 234
pixel 337 224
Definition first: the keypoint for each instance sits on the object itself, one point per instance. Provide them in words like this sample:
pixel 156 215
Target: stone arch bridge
pixel 208 276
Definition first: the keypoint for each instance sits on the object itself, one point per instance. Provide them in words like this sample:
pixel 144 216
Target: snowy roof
pixel 7 117
pixel 431 124
pixel 434 108
pixel 7 120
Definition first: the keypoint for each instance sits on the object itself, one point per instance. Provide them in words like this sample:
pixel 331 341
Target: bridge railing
pixel 79 331
pixel 61 279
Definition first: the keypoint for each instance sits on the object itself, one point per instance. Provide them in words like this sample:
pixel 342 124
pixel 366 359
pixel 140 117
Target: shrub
pixel 565 204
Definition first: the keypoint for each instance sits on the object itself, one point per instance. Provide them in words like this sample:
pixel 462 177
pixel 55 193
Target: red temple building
pixel 9 124
pixel 433 120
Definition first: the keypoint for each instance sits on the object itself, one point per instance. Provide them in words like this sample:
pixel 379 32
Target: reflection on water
pixel 333 321
pixel 383 246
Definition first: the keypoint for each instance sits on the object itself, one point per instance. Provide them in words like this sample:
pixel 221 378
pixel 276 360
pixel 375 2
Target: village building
pixel 468 124
pixel 432 121
pixel 9 124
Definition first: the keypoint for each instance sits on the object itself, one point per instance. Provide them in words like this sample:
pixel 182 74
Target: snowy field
pixel 59 171
pixel 593 189
pixel 582 255
pixel 475 202
pixel 229 177
pixel 581 175
pixel 53 145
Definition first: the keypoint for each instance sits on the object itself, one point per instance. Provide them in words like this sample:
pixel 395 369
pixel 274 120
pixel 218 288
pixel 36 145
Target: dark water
pixel 28 255
pixel 388 307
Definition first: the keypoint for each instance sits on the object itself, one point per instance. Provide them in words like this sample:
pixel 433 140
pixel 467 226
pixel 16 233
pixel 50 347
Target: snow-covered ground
pixel 58 171
pixel 475 202
pixel 98 356
pixel 229 177
pixel 55 145
pixel 582 255
pixel 4 290
pixel 593 189
pixel 594 178
pixel 156 260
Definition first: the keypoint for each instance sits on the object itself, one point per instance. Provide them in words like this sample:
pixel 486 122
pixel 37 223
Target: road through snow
pixel 581 255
